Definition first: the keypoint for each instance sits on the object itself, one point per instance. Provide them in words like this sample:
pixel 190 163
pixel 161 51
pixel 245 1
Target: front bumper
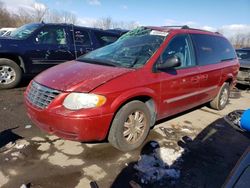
pixel 71 127
pixel 243 76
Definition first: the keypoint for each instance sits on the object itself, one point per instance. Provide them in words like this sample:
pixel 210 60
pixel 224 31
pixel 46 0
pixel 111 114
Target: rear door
pixel 179 86
pixel 208 51
pixel 83 41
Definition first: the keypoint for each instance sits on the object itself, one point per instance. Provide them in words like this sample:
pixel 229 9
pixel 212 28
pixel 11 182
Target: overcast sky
pixel 230 15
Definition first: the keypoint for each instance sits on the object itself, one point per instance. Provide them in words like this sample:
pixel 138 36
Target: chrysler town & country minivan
pixel 119 91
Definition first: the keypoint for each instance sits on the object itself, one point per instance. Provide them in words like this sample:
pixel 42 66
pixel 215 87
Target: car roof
pixel 111 31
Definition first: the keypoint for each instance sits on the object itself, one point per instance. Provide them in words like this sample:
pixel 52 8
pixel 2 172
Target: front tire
pixel 221 100
pixel 130 126
pixel 10 74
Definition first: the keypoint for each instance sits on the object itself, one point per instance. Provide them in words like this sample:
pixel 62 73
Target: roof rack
pixel 178 26
pixel 187 27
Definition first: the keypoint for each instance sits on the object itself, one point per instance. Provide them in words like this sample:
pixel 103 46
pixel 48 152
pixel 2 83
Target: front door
pixel 180 85
pixel 50 48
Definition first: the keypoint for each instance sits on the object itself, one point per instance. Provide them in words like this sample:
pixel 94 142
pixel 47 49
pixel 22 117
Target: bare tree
pixel 60 17
pixel 104 23
pixel 68 17
pixel 24 17
pixel 39 12
pixel 109 23
pixel 6 19
pixel 53 17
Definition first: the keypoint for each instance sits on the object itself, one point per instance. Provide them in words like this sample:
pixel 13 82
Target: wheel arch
pixel 16 58
pixel 149 99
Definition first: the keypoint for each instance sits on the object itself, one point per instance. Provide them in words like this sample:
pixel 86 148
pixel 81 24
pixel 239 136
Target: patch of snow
pixel 9 145
pixel 186 130
pixel 155 166
pixel 159 165
pixel 38 139
pixel 15 154
pixel 23 186
pixel 168 155
pixel 20 144
pixel 28 126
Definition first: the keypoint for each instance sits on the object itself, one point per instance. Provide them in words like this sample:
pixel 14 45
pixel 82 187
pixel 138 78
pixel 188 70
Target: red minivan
pixel 118 92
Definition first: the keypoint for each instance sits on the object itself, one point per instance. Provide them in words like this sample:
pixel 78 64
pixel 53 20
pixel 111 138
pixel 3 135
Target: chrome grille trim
pixel 41 96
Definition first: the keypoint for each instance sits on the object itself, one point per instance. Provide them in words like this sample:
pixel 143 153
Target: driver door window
pixel 181 47
pixel 52 36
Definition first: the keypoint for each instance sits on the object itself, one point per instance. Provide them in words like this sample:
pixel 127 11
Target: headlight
pixel 76 101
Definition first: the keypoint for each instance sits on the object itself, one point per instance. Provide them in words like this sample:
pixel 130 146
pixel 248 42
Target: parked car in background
pixel 119 91
pixel 6 31
pixel 244 72
pixel 35 47
pixel 240 175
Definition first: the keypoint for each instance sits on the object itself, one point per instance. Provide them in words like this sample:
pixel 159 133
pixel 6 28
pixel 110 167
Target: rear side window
pixel 82 37
pixel 212 49
pixel 105 38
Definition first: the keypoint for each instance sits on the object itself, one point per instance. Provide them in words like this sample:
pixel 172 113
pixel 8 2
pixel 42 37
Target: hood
pixel 8 42
pixel 245 63
pixel 78 76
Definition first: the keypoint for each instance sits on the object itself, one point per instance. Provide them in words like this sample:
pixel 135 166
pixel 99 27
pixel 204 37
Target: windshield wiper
pixel 98 61
pixel 228 59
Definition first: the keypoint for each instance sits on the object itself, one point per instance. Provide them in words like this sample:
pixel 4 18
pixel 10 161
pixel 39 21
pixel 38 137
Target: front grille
pixel 41 96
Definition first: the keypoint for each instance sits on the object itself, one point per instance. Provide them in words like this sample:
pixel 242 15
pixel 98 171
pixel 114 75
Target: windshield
pixel 132 50
pixel 243 54
pixel 24 31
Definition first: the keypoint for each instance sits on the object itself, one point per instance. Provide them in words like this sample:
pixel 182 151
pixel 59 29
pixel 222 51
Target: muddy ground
pixel 194 149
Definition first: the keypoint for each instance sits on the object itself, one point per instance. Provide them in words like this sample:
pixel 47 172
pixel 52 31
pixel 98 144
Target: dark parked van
pixel 35 47
pixel 119 91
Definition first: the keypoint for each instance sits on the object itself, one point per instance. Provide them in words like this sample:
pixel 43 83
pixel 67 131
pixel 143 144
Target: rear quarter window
pixel 212 49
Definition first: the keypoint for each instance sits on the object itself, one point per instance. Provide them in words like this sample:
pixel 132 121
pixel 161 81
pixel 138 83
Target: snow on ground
pixel 158 165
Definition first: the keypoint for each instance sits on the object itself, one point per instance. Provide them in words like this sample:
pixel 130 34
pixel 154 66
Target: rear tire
pixel 130 126
pixel 221 100
pixel 10 74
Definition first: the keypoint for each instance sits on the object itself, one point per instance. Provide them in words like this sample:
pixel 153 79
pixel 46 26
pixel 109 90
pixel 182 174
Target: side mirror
pixel 171 62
